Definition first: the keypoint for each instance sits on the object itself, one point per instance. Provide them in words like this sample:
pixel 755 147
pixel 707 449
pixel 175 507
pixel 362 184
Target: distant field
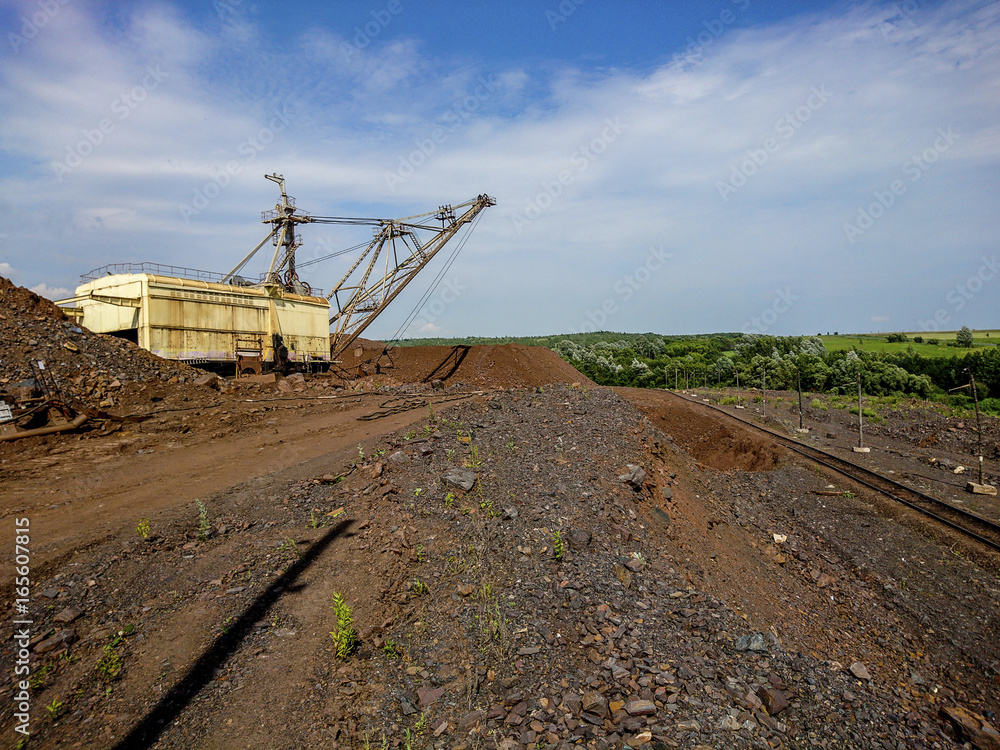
pixel 872 342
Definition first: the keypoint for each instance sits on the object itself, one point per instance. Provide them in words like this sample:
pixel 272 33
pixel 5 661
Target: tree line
pixel 780 362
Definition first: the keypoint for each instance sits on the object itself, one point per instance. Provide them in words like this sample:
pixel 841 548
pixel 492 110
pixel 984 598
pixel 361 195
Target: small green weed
pixel 420 588
pixel 345 637
pixel 40 676
pixel 474 460
pixel 204 525
pixel 558 545
pixel 392 649
pixel 289 545
pixel 143 528
pixel 110 665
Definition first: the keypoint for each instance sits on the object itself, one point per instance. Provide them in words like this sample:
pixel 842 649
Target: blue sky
pixel 780 167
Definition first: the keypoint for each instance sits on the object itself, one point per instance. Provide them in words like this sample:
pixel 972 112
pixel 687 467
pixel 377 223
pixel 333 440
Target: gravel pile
pixel 88 366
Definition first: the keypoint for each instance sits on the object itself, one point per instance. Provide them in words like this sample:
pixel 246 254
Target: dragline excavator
pixel 385 266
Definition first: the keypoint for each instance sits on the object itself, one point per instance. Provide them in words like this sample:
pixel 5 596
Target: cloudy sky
pixel 679 167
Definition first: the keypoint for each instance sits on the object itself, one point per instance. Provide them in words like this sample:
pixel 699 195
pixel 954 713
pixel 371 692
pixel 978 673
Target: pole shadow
pixel 156 721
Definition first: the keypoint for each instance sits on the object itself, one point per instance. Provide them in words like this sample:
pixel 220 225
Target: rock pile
pixel 88 366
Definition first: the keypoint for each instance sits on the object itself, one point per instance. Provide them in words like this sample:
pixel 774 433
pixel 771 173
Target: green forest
pixel 779 362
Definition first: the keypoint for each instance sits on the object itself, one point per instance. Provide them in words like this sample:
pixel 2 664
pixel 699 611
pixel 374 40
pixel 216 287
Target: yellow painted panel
pixel 188 319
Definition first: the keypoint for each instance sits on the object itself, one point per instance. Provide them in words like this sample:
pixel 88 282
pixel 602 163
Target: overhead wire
pixel 437 280
pixel 332 255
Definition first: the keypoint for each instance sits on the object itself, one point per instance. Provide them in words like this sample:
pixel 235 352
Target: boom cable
pixel 437 280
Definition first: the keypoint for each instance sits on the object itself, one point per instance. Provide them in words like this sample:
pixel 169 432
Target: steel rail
pixel 808 451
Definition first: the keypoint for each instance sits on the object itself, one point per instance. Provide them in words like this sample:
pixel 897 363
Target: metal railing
pixel 179 272
pixel 157 268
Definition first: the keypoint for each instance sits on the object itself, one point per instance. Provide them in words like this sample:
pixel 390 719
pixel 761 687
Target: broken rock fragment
pixel 460 479
pixel 634 477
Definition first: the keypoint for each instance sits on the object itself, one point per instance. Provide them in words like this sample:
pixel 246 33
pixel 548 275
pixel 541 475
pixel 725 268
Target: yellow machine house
pixel 200 321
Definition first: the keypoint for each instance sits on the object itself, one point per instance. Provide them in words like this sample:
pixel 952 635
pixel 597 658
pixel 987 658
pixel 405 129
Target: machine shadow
pixel 453 361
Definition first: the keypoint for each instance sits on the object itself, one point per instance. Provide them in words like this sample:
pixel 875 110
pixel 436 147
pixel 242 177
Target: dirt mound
pixel 506 366
pixel 86 365
pixel 714 442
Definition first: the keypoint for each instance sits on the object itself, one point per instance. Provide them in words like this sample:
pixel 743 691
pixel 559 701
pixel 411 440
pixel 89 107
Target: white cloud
pixel 52 293
pixel 354 120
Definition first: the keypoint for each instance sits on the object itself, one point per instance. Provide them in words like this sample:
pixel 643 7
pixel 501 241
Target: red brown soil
pixel 714 441
pixel 547 459
pixel 489 366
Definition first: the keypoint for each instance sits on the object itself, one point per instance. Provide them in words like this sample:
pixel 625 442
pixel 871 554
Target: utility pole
pixel 979 427
pixel 981 488
pixel 737 388
pixel 798 382
pixel 861 420
pixel 763 390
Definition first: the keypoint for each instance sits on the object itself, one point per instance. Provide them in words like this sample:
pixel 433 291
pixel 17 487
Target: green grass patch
pixel 876 342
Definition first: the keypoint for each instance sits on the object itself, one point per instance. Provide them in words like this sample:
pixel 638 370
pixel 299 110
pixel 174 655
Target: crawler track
pixel 976 527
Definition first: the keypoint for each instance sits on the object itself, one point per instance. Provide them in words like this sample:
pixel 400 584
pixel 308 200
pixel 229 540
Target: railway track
pixel 974 526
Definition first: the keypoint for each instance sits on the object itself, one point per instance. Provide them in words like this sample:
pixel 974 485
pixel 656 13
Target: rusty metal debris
pixel 40 408
pixel 400 404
